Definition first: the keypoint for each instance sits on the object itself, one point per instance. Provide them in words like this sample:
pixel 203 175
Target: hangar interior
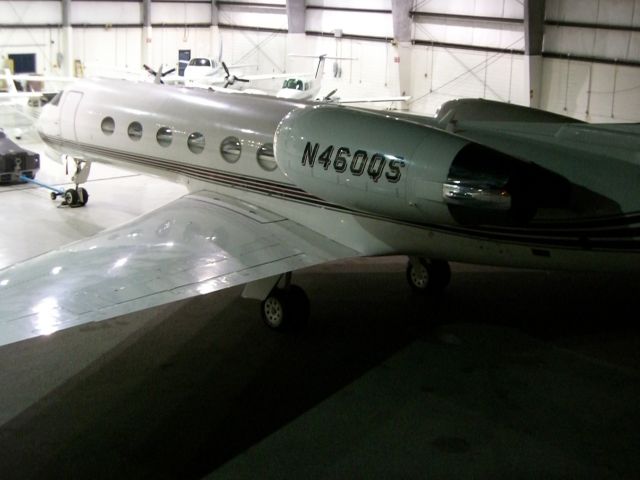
pixel 574 57
pixel 511 374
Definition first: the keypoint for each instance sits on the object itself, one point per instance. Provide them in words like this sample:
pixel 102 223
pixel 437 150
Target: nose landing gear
pixel 73 197
pixel 78 196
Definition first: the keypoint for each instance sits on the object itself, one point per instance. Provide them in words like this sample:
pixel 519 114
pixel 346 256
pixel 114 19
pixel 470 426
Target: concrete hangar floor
pixel 511 374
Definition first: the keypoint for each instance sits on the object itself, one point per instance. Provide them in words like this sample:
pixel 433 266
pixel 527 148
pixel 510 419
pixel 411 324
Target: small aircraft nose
pixel 287 93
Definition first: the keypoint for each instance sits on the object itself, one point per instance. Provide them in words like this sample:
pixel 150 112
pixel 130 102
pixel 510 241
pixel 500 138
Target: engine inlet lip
pixel 476 195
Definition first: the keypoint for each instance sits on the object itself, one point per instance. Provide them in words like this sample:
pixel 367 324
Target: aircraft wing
pixel 400 98
pixel 198 244
pixel 261 76
pixel 42 78
pixel 214 88
pixel 12 95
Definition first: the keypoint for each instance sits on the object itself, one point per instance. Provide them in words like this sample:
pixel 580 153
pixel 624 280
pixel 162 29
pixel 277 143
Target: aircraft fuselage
pixel 375 182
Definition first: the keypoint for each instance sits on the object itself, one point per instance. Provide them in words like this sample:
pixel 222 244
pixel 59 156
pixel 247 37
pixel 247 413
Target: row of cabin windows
pixel 230 147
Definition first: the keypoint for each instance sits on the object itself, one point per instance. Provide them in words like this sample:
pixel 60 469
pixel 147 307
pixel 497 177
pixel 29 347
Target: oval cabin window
pixel 265 157
pixel 108 126
pixel 230 149
pixel 195 142
pixel 164 136
pixel 135 131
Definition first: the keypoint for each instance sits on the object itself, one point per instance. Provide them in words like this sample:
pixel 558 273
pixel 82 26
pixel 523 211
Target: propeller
pixel 327 97
pixel 159 74
pixel 231 79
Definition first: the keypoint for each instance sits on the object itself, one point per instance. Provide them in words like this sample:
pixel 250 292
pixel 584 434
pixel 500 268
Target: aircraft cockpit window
pixel 299 85
pixel 195 142
pixel 230 149
pixel 135 131
pixel 108 125
pixel 200 62
pixel 266 158
pixel 291 83
pixel 56 100
pixel 164 136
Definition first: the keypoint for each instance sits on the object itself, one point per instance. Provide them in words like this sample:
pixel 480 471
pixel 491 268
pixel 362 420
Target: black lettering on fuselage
pixel 377 166
pixel 393 176
pixel 358 163
pixel 325 157
pixel 342 156
pixel 309 155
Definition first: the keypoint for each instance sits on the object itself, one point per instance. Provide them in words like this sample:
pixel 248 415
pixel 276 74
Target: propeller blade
pixel 168 72
pixel 149 69
pixel 330 94
pixel 226 84
pixel 225 68
pixel 241 79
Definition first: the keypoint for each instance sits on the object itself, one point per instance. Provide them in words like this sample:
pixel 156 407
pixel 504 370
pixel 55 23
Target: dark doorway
pixel 183 59
pixel 23 62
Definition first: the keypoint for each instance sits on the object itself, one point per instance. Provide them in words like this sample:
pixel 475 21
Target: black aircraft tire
pixel 83 196
pixel 71 197
pixel 286 309
pixel 431 276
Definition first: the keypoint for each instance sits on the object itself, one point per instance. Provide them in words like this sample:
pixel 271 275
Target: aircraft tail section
pixel 321 60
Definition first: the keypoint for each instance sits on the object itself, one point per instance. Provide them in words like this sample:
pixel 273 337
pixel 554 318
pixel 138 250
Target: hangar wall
pixel 592 59
pixel 460 48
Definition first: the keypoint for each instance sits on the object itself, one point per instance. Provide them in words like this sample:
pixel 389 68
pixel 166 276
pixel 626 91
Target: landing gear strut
pixel 428 276
pixel 286 308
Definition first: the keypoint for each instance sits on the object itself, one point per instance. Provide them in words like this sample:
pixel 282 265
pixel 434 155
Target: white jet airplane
pixel 278 185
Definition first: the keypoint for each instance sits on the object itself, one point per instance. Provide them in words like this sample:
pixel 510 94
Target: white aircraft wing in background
pixel 198 244
pixel 12 92
pixel 400 98
pixel 26 103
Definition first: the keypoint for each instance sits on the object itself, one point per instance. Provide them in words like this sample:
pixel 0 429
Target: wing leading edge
pixel 198 244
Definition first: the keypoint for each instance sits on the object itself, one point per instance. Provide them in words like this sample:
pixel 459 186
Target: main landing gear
pixel 428 276
pixel 286 307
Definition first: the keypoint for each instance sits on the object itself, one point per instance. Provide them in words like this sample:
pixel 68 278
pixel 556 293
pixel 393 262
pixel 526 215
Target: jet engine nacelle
pixel 380 164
